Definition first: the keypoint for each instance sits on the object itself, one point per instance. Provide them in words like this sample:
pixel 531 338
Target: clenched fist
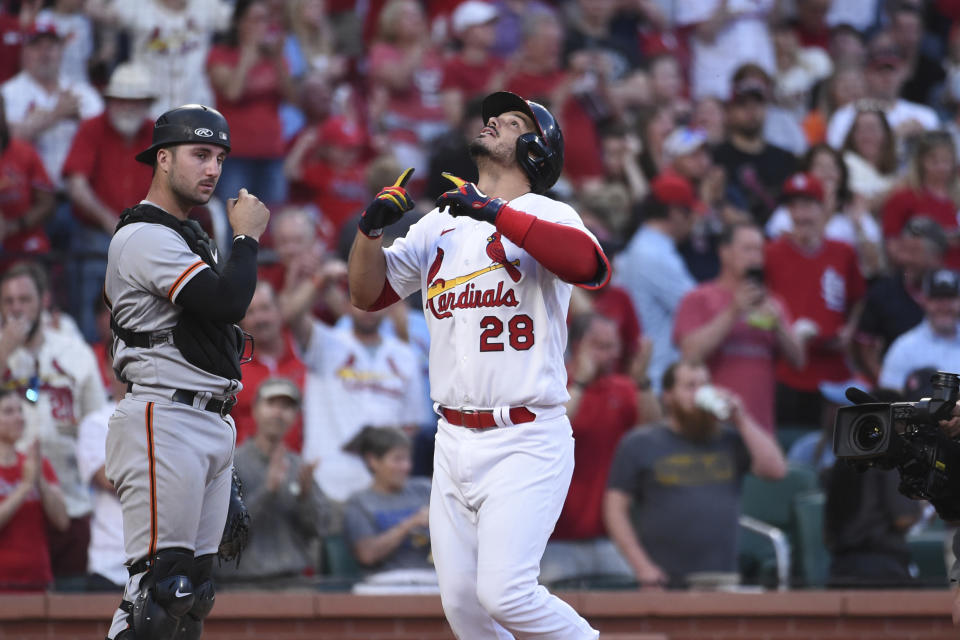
pixel 247 215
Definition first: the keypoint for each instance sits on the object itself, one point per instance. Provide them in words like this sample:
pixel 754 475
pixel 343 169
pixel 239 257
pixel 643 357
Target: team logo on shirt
pixel 442 300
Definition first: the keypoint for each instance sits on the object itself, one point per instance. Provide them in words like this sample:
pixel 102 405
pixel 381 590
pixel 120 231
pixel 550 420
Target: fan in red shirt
pixel 251 79
pixel 932 189
pixel 327 164
pixel 820 282
pixel 603 406
pixel 474 70
pixel 101 181
pixel 537 71
pixel 273 355
pixel 26 196
pixel 30 500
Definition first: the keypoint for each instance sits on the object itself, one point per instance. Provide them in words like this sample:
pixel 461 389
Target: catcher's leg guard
pixel 166 595
pixel 191 625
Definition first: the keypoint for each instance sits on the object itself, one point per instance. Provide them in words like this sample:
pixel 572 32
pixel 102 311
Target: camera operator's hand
pixel 951 427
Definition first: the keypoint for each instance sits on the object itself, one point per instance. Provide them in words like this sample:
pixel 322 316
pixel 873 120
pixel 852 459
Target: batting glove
pixel 388 207
pixel 467 200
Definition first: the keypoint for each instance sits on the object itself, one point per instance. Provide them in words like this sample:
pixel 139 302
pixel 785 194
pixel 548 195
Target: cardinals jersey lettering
pixel 497 318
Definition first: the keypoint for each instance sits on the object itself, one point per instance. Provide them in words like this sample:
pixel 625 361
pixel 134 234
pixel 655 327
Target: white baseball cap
pixel 682 141
pixel 471 14
pixel 130 82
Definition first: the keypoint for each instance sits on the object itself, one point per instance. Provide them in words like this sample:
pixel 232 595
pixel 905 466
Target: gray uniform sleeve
pixel 159 261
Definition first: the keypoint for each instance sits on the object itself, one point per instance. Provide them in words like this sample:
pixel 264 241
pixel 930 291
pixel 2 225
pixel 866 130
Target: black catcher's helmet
pixel 540 154
pixel 189 124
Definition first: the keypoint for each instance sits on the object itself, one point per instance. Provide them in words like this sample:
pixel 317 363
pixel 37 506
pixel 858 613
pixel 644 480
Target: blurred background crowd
pixel 775 181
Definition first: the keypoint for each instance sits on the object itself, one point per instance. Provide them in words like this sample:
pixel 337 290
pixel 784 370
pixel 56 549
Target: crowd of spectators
pixel 775 181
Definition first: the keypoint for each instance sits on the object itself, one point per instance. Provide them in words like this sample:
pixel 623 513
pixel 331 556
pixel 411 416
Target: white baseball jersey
pixel 66 377
pixel 105 554
pixel 497 318
pixel 147 267
pixel 350 386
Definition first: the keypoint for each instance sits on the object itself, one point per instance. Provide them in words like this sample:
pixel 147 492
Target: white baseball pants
pixel 497 494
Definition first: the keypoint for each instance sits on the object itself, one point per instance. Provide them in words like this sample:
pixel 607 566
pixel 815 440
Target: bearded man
pixel 672 502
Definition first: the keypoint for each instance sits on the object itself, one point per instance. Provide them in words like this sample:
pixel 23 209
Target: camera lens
pixel 868 433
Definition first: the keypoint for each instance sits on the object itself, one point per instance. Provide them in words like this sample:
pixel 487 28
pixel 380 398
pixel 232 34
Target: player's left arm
pixel 567 251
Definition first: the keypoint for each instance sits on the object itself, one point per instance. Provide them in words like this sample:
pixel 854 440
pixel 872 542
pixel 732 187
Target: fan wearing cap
pixel 755 168
pixel 885 73
pixel 495 262
pixel 287 508
pixel 327 166
pixel 173 308
pixel 892 305
pixel 935 342
pixel 101 181
pixel 652 270
pixel 475 68
pixel 820 283
pixel 26 195
pixel 43 107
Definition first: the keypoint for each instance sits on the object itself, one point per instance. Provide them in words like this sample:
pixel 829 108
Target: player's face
pixel 392 469
pixel 497 139
pixel 194 170
pixel 274 416
pixel 11 418
pixel 19 298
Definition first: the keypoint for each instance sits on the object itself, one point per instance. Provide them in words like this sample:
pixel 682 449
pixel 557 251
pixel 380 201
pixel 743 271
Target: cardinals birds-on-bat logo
pixel 498 255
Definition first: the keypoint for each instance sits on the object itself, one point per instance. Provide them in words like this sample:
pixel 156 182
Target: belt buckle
pixel 160 337
pixel 227 405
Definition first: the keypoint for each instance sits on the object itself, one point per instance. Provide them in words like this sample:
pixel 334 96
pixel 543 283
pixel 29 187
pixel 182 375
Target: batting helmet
pixel 189 124
pixel 540 154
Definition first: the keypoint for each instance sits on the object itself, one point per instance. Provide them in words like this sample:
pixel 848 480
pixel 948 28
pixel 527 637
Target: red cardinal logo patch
pixel 497 254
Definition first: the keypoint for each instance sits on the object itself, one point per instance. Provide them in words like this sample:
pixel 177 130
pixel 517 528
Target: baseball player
pixel 496 263
pixel 170 441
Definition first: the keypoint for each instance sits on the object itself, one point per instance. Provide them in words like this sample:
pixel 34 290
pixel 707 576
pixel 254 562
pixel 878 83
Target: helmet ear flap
pixel 533 156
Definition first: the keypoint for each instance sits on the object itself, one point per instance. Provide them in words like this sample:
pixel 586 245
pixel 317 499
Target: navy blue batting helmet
pixel 539 153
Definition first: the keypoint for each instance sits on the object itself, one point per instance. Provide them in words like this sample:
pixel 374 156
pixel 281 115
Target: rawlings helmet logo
pixel 203 132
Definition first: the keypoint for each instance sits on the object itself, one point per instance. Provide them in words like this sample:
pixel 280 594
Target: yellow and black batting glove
pixel 388 207
pixel 466 200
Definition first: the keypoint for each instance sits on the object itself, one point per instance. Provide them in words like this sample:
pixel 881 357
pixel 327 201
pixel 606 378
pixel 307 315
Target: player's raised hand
pixel 388 207
pixel 466 200
pixel 247 215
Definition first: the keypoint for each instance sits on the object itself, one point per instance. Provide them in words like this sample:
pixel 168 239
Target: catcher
pixel 171 439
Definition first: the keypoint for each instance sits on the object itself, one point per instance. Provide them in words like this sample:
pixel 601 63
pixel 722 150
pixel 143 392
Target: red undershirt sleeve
pixel 565 251
pixel 386 298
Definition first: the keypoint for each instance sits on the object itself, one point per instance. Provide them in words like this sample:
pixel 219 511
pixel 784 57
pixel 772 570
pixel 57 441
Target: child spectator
pixel 386 524
pixel 30 500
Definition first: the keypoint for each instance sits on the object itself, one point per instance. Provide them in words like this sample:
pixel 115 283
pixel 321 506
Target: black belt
pixel 221 407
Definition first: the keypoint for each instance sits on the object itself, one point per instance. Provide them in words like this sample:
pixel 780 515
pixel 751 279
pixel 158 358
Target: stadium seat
pixel 927 553
pixel 339 565
pixel 813 559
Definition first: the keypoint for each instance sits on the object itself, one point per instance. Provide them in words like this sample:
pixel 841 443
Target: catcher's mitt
pixel 237 529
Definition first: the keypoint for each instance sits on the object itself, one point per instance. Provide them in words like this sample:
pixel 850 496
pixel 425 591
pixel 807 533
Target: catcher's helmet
pixel 189 124
pixel 540 154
